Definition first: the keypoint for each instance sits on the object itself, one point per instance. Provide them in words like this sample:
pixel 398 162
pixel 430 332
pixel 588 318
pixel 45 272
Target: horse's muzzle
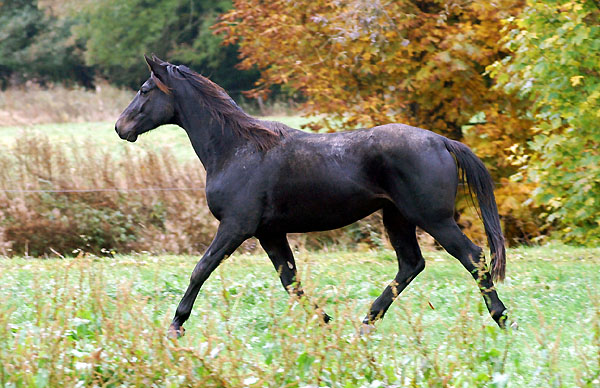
pixel 125 130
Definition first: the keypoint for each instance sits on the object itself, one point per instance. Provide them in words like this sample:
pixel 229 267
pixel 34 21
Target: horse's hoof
pixel 175 333
pixel 514 326
pixel 366 329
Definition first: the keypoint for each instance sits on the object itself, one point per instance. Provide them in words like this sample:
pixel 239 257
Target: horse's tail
pixel 478 180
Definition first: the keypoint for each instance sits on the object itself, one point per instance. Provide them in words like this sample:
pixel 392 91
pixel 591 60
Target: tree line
pixel 75 42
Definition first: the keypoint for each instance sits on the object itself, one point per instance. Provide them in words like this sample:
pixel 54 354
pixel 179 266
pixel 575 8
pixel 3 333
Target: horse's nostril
pixel 117 125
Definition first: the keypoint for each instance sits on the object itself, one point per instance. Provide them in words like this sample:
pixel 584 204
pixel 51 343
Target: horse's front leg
pixel 226 241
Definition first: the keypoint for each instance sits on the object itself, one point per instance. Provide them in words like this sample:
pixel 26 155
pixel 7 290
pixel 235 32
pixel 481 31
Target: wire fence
pixel 109 190
pixel 101 190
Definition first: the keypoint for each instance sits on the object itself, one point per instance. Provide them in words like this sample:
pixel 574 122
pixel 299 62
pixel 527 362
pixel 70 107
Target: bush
pixel 554 69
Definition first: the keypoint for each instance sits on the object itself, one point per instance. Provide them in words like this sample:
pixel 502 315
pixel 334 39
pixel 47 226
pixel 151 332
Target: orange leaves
pixel 368 63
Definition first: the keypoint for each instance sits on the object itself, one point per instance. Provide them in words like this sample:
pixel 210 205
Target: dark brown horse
pixel 265 179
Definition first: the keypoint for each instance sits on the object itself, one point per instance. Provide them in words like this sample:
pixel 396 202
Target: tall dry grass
pixel 32 104
pixel 43 212
pixel 60 198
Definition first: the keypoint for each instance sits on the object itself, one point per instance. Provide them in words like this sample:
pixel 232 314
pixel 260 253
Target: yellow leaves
pixel 576 80
pixel 392 34
pixel 432 59
pixel 593 97
pixel 444 56
pixel 513 149
pixel 567 6
pixel 550 41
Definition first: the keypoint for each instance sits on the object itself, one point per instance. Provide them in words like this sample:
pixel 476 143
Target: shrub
pixel 554 69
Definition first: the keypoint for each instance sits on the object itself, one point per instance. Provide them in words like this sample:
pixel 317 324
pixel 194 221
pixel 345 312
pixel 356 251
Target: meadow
pixel 102 135
pixel 101 321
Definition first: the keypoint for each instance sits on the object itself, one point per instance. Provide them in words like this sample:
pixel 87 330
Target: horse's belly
pixel 316 213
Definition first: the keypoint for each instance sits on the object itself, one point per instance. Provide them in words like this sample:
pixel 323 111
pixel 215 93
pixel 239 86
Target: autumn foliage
pixel 365 63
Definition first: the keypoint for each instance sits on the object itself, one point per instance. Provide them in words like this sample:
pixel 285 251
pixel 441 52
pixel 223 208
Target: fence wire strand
pixel 116 189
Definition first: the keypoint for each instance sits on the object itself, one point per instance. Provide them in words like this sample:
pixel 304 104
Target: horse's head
pixel 152 106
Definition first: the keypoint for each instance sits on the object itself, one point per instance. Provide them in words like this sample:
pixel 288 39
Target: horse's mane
pixel 225 111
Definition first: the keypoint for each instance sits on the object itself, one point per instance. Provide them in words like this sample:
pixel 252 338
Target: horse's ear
pixel 156 67
pixel 157 59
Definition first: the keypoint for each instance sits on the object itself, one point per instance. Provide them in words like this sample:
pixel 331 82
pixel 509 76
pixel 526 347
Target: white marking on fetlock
pixel 366 329
pixel 174 333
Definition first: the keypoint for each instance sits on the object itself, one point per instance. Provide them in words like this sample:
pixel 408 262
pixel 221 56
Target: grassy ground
pixel 32 104
pixel 102 134
pixel 102 321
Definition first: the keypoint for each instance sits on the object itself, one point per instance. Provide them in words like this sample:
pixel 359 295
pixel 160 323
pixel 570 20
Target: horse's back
pixel 365 156
pixel 323 181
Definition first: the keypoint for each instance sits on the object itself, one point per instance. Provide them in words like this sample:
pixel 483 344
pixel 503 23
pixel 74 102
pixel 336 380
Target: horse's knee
pixel 477 255
pixel 204 267
pixel 413 269
pixel 199 269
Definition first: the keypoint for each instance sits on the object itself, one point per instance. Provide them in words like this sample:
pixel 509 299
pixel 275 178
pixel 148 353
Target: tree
pixel 35 44
pixel 118 33
pixel 421 62
pixel 555 47
pixel 367 63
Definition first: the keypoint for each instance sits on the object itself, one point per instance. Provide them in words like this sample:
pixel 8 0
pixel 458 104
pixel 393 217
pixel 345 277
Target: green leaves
pixel 555 66
pixel 117 34
pixel 38 45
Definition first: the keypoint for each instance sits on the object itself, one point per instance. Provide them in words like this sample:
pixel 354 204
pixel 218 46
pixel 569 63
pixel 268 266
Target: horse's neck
pixel 213 142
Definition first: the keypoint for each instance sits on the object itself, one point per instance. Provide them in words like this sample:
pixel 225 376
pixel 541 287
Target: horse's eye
pixel 144 90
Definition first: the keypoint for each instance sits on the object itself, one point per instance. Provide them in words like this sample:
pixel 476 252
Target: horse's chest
pixel 230 197
pixel 216 198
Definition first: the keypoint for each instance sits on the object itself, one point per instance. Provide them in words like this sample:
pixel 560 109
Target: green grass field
pixel 102 322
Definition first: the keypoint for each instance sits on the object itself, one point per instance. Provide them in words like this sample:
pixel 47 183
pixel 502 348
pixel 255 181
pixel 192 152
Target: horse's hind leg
pixel 403 238
pixel 448 234
pixel 278 250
